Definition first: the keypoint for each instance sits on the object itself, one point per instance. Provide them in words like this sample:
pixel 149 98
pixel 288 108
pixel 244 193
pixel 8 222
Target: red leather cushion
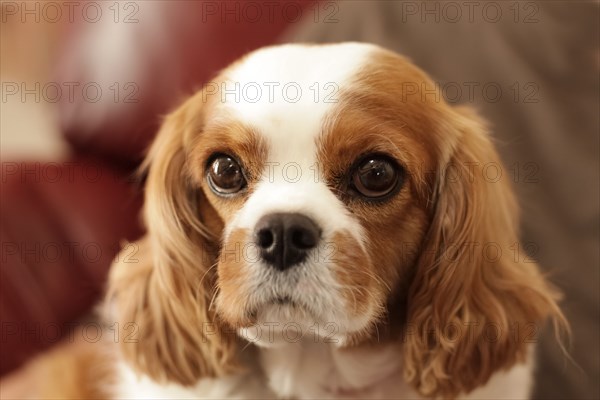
pixel 61 228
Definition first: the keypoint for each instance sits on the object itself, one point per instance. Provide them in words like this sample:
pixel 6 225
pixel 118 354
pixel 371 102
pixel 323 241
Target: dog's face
pixel 315 194
pixel 331 185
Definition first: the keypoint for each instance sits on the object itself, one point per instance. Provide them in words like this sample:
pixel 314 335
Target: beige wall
pixel 28 129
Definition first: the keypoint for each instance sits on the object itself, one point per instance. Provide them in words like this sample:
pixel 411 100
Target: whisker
pixel 206 273
pixel 246 346
pixel 212 300
pixel 377 279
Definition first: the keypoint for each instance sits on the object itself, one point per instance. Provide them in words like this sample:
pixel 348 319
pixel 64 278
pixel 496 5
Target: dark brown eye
pixel 225 175
pixel 376 176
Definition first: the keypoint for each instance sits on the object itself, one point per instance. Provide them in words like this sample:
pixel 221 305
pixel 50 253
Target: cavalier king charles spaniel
pixel 322 224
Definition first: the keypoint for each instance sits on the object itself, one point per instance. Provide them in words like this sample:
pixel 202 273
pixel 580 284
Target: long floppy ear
pixel 475 298
pixel 164 290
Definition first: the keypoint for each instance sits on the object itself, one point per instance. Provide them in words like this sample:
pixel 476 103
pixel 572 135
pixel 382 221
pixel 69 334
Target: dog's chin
pixel 277 322
pixel 283 321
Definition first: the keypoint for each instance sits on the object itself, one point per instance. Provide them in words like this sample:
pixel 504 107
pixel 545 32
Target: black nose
pixel 284 239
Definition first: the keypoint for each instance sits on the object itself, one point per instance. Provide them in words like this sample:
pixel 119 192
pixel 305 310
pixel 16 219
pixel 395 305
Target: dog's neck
pixel 309 369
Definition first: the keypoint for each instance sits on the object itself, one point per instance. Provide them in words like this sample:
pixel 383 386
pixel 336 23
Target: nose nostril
pixel 265 238
pixel 303 239
pixel 285 239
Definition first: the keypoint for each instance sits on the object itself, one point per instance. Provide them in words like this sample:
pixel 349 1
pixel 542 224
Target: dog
pixel 322 224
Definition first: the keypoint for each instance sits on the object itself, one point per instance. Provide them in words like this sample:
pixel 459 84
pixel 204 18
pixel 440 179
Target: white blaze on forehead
pixel 285 93
pixel 298 86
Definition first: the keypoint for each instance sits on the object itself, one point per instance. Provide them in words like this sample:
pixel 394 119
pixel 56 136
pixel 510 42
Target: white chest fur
pixel 308 370
pixel 319 370
pixel 247 386
pixel 311 370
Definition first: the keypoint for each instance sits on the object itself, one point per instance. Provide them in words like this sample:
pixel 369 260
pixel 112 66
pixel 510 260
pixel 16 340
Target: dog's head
pixel 330 186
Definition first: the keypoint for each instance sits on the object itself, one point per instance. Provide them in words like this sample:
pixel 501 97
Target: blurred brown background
pixel 530 67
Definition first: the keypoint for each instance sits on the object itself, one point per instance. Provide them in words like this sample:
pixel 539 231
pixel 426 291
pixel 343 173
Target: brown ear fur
pixel 166 291
pixel 462 296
